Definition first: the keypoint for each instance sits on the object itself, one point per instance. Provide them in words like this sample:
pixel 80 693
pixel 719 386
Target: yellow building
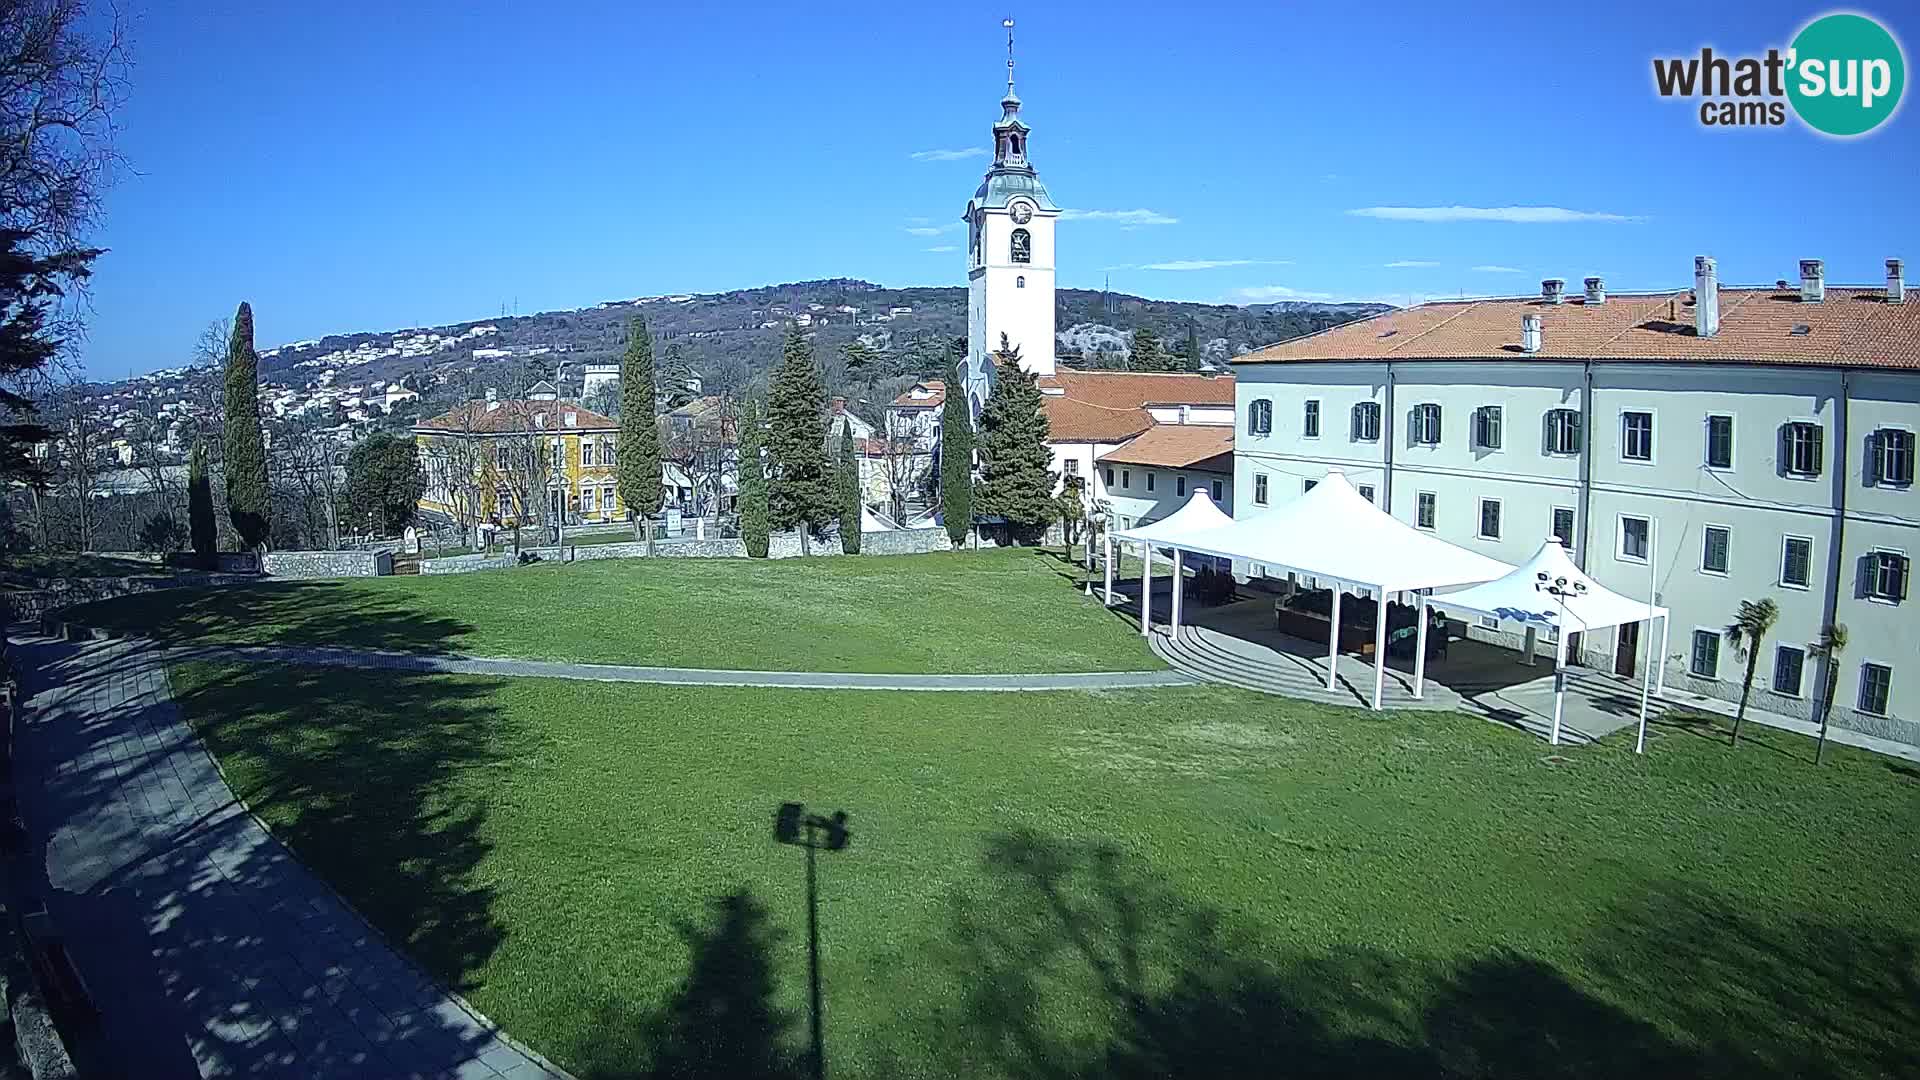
pixel 524 461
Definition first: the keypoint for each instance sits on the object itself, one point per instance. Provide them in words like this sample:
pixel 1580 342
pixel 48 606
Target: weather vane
pixel 1008 23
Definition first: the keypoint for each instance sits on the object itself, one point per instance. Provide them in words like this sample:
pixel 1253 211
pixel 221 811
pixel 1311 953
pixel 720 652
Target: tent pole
pixel 1106 541
pixel 1379 645
pixel 1333 640
pixel 1646 684
pixel 1146 588
pixel 1420 651
pixel 1178 588
pixel 1559 684
pixel 1653 590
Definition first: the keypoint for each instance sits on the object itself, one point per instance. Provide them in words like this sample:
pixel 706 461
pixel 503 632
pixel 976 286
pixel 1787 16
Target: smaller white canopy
pixel 1199 514
pixel 872 522
pixel 1515 597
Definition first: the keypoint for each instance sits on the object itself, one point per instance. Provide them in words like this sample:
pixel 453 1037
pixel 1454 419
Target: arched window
pixel 1020 282
pixel 1022 246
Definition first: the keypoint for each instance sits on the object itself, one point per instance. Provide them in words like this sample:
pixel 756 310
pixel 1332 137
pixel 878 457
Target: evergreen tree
pixel 956 461
pixel 200 508
pixel 1016 482
pixel 800 483
pixel 1193 356
pixel 637 469
pixel 675 374
pixel 248 496
pixel 753 483
pixel 849 484
pixel 31 334
pixel 1144 352
pixel 385 482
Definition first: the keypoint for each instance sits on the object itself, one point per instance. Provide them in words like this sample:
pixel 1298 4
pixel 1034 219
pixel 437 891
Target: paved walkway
pixel 210 950
pixel 329 656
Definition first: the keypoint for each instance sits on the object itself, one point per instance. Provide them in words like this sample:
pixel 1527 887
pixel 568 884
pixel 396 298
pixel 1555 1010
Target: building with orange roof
pixel 1737 443
pixel 535 460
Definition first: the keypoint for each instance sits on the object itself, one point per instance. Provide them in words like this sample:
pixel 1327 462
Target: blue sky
pixel 355 167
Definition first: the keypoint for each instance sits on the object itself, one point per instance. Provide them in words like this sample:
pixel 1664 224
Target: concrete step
pixel 1192 653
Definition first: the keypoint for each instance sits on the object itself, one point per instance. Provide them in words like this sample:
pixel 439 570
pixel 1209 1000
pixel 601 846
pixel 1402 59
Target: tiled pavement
pixel 210 950
pixel 329 656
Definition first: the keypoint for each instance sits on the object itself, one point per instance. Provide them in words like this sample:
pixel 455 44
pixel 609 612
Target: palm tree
pixel 1833 642
pixel 1744 633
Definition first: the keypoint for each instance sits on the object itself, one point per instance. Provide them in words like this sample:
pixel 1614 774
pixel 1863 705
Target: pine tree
pixel 753 483
pixel 200 523
pixel 800 483
pixel 637 469
pixel 1016 482
pixel 248 497
pixel 848 477
pixel 956 461
pixel 1145 353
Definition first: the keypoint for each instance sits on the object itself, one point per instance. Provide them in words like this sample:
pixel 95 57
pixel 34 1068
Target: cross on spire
pixel 1008 23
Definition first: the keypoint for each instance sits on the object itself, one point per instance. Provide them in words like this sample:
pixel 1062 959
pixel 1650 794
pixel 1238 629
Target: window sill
pixel 1785 694
pixel 1703 678
pixel 1713 573
pixel 1883 601
pixel 1801 476
pixel 1637 560
pixel 1484 536
pixel 1648 462
pixel 1791 585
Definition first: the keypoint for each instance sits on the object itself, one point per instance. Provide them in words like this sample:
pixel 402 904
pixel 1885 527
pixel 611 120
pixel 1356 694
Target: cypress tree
pixel 1016 482
pixel 956 461
pixel 1193 355
pixel 200 508
pixel 248 497
pixel 800 490
pixel 849 485
pixel 753 483
pixel 637 469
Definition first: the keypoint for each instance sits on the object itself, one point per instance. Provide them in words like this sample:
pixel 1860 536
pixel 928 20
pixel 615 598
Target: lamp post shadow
pixel 793 825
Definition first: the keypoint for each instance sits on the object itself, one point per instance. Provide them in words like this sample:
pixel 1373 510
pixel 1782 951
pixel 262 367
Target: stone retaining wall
pixel 28 605
pixel 328 564
pixel 779 546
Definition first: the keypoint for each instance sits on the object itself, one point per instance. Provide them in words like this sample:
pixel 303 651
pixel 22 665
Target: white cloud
pixel 1206 264
pixel 1519 215
pixel 1266 294
pixel 1128 218
pixel 943 247
pixel 932 230
pixel 949 155
pixel 1491 268
pixel 1410 264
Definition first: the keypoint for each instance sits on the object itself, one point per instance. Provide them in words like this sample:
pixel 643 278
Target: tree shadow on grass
pixel 721 1021
pixel 279 613
pixel 208 946
pixel 1075 963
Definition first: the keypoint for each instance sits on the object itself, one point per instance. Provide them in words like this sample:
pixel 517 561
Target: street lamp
pixel 1560 588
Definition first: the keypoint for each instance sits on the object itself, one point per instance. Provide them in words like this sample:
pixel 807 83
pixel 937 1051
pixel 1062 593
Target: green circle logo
pixel 1845 76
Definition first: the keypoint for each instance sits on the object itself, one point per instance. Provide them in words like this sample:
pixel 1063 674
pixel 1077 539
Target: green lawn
pixel 1192 882
pixel 972 612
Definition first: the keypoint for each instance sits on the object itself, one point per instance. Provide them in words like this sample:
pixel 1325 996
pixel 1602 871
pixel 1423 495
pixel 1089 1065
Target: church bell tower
pixel 1009 255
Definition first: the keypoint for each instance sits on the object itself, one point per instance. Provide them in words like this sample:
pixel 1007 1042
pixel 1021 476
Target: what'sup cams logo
pixel 1842 76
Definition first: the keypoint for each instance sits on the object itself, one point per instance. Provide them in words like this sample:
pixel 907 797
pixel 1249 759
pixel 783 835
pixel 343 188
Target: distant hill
pixel 731 338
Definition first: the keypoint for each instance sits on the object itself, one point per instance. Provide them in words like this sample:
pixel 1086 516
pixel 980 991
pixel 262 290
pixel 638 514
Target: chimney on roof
pixel 1706 296
pixel 493 399
pixel 1553 290
pixel 1530 333
pixel 1896 282
pixel 1596 291
pixel 1813 281
pixel 837 406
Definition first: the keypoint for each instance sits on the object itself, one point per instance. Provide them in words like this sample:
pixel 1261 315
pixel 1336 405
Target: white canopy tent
pixel 1331 532
pixel 1198 515
pixel 1549 591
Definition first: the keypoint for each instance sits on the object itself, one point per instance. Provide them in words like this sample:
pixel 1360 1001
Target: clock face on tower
pixel 1022 212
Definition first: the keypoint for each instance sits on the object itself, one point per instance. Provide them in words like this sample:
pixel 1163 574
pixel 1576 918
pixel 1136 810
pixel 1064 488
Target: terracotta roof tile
pixel 516 416
pixel 1072 420
pixel 1853 327
pixel 1179 446
pixel 1132 389
pixel 936 398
